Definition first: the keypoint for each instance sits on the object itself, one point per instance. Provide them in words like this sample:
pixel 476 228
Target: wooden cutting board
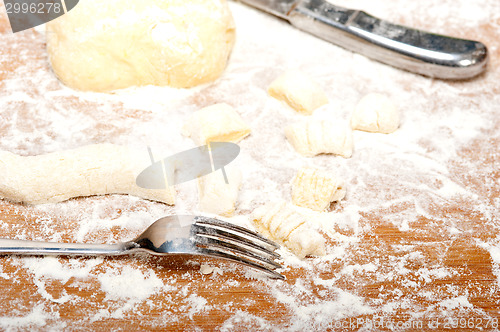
pixel 416 243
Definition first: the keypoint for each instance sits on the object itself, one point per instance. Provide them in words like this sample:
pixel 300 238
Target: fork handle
pixel 403 47
pixel 23 247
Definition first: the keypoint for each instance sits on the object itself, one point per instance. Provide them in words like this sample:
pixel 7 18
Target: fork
pixel 173 235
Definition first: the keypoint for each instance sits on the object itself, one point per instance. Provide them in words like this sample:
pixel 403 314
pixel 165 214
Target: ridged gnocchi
pixel 216 123
pixel 299 91
pixel 316 189
pixel 280 222
pixel 312 137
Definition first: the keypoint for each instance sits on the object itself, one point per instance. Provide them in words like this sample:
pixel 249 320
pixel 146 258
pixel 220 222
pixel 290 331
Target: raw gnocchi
pixel 316 189
pixel 299 91
pixel 97 169
pixel 216 196
pixel 375 113
pixel 312 137
pixel 280 222
pixel 216 123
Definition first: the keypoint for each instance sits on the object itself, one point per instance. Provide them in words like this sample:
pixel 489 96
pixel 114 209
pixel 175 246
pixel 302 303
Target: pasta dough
pixel 282 223
pixel 90 170
pixel 216 123
pixel 114 44
pixel 298 91
pixel 313 137
pixel 375 113
pixel 316 189
pixel 217 196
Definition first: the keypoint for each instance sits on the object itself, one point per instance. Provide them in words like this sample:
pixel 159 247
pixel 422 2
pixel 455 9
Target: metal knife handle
pixel 409 49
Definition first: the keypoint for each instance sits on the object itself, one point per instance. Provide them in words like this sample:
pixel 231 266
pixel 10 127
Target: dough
pixel 316 189
pixel 280 222
pixel 299 91
pixel 114 44
pixel 207 269
pixel 216 123
pixel 312 137
pixel 217 196
pixel 90 170
pixel 375 113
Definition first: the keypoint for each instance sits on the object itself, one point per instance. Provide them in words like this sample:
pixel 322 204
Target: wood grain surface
pixel 402 287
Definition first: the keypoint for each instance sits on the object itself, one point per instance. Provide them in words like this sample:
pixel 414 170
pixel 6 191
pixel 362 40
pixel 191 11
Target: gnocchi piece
pixel 216 123
pixel 313 137
pixel 299 91
pixel 316 189
pixel 280 222
pixel 97 169
pixel 375 113
pixel 216 196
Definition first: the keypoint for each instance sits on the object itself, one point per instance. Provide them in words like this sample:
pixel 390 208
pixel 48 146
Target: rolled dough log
pixel 97 169
pixel 113 44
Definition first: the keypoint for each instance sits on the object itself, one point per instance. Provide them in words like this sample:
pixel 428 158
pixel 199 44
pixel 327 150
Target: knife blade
pixel 406 48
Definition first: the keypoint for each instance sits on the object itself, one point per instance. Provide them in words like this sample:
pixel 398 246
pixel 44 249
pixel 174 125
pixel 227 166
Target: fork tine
pixel 225 226
pixel 213 241
pixel 231 257
pixel 222 235
pixel 218 238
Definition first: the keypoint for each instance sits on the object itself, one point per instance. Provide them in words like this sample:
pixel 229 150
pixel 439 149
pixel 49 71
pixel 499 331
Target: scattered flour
pixel 36 319
pixel 397 180
pixel 129 283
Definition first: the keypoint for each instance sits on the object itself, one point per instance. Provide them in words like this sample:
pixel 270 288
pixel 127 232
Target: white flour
pixel 403 180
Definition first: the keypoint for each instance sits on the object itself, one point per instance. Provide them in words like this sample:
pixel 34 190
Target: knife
pixel 413 50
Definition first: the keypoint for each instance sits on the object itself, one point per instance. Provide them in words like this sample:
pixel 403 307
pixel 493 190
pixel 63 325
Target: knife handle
pixel 406 48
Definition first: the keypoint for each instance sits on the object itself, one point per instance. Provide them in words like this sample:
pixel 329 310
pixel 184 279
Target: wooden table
pixel 416 252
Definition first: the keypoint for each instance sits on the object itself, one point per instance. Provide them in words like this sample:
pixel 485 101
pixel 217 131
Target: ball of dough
pixel 375 113
pixel 114 44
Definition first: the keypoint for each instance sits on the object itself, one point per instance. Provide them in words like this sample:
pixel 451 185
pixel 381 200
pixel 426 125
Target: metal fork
pixel 173 235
